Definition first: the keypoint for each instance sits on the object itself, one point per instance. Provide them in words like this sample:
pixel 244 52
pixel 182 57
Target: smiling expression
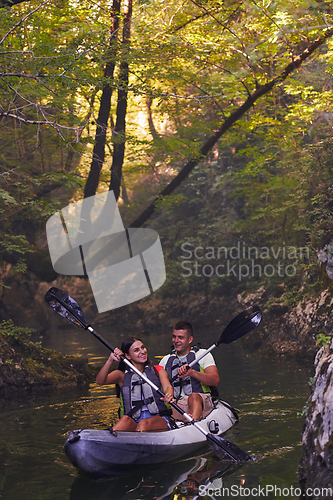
pixel 137 352
pixel 182 342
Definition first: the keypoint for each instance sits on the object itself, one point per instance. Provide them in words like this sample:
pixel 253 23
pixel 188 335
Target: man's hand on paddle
pixel 183 372
pixel 210 376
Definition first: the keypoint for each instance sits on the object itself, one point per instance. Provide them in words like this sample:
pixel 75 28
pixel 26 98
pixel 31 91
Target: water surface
pixel 268 394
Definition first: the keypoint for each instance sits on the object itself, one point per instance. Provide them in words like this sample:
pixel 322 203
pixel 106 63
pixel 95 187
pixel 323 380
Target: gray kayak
pixel 101 453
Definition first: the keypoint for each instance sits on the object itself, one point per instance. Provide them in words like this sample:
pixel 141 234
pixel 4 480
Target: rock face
pixel 291 331
pixel 316 465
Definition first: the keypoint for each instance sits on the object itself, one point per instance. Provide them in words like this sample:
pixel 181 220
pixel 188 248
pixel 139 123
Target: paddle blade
pixel 227 450
pixel 241 325
pixel 65 306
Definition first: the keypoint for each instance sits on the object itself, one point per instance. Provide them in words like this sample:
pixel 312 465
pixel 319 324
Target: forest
pixel 210 120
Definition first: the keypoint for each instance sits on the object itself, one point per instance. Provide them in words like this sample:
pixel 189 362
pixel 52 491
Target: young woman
pixel 142 408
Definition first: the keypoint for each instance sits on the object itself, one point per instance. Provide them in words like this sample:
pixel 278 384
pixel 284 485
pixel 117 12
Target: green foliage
pixel 46 96
pixel 24 362
pixel 304 411
pixel 266 184
pixel 10 331
pixel 323 340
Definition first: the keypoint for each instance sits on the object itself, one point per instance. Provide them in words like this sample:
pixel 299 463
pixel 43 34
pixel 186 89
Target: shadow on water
pixel 267 393
pixel 185 479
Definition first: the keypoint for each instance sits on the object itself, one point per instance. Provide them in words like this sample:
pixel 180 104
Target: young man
pixel 191 387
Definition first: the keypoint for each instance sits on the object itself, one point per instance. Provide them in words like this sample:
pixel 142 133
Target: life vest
pixel 135 393
pixel 188 384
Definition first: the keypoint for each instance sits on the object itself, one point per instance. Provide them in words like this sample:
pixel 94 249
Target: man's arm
pixel 210 375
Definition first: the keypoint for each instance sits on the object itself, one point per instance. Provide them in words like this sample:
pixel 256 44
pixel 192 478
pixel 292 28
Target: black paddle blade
pixel 227 450
pixel 65 306
pixel 241 325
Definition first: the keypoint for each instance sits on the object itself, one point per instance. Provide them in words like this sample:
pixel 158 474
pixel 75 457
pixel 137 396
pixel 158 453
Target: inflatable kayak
pixel 101 453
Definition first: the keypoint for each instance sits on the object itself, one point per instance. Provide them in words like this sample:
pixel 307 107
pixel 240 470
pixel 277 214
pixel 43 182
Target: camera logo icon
pixel 88 238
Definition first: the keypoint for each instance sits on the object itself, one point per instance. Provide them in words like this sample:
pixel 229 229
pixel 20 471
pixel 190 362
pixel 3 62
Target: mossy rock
pixel 25 364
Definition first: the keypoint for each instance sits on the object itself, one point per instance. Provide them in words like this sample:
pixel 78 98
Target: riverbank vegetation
pixel 211 121
pixel 27 365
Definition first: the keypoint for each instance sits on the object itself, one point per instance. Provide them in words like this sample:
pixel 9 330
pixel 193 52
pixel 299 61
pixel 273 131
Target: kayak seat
pixel 174 423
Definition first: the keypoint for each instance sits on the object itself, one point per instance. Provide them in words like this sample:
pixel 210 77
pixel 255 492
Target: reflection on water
pixel 179 480
pixel 268 394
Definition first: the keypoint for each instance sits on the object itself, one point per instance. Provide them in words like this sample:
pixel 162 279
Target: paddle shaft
pixel 176 407
pixel 210 438
pixel 149 382
pixel 128 363
pixel 220 341
pixel 196 360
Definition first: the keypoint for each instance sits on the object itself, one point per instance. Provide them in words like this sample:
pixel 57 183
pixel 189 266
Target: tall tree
pixel 104 107
pixel 201 67
pixel 119 137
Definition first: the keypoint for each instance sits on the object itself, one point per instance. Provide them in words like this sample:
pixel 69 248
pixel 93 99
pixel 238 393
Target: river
pixel 268 393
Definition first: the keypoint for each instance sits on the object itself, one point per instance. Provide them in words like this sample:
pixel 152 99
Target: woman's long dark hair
pixel 125 347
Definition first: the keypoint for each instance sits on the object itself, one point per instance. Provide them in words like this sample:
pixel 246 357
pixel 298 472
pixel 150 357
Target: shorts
pixel 208 405
pixel 146 414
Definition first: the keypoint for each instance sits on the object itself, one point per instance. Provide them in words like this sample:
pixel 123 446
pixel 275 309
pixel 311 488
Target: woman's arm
pixel 116 376
pixel 166 385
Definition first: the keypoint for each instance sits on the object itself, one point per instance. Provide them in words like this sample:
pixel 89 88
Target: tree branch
pixel 10 3
pixel 23 75
pixel 229 122
pixel 53 124
pixel 104 108
pixel 22 21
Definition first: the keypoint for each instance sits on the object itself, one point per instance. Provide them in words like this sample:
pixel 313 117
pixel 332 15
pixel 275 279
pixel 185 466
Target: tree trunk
pixel 120 128
pixel 151 125
pixel 104 108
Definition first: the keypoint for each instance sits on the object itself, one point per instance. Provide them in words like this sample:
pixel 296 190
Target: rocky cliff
pixel 316 465
pixel 290 330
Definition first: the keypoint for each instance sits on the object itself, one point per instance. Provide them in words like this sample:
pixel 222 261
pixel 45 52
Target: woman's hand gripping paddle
pixel 66 307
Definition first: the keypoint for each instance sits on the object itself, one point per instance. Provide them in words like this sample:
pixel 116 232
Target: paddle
pixel 66 306
pixel 242 324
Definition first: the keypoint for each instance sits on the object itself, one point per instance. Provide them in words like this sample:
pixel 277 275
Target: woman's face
pixel 137 352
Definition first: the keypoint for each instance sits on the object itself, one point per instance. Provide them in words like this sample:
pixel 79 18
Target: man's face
pixel 182 342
